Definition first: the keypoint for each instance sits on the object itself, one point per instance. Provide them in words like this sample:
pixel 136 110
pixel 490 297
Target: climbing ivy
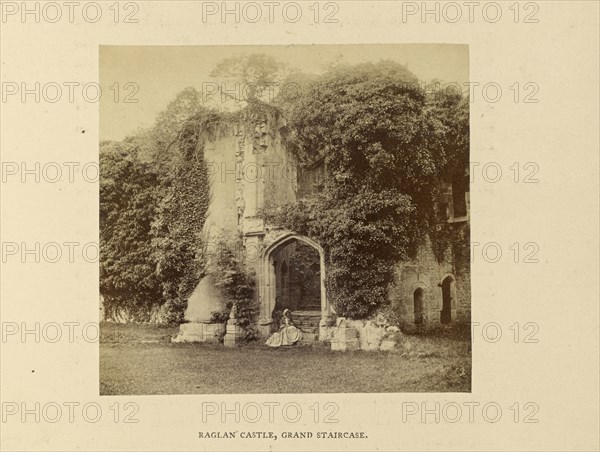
pixel 385 145
pixel 238 288
pixel 451 238
pixel 177 229
pixel 153 202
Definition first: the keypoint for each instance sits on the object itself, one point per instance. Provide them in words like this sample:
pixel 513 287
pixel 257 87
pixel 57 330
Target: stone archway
pixel 267 280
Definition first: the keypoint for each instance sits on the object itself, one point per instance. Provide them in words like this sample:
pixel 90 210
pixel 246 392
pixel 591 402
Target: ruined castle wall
pixel 221 222
pixel 267 177
pixel 221 218
pixel 249 167
pixel 425 272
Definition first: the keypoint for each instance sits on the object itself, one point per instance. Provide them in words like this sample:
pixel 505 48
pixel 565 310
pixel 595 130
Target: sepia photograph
pixel 343 225
pixel 285 219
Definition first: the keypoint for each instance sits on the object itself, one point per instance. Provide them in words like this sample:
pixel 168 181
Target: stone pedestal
pixel 199 332
pixel 344 338
pixel 234 333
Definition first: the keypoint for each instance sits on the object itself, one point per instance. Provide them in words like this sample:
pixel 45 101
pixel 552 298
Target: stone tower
pixel 250 168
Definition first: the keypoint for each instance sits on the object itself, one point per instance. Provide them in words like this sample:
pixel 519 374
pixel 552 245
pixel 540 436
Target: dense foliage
pixel 128 197
pixel 154 195
pixel 237 286
pixel 177 229
pixel 385 145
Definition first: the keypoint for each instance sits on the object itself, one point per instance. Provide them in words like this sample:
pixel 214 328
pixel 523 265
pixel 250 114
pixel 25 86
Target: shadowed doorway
pixel 418 306
pixel 298 277
pixel 446 314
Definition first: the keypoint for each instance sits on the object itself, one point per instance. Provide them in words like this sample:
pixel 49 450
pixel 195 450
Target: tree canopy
pixel 385 144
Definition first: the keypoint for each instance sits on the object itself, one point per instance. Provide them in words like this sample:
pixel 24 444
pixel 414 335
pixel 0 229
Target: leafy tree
pixel 169 124
pixel 257 76
pixel 153 201
pixel 128 198
pixel 385 145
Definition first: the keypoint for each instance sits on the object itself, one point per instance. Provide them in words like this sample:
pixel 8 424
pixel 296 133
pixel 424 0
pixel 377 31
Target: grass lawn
pixel 140 359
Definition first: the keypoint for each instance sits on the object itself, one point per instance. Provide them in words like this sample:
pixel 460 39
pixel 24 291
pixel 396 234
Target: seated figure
pixel 288 334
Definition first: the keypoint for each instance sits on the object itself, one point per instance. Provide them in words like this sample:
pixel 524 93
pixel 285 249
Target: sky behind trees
pixel 153 75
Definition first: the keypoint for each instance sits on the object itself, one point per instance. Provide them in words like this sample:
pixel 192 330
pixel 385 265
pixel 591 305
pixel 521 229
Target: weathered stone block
pixel 212 331
pixel 353 345
pixel 387 345
pixel 199 332
pixel 234 329
pixel 348 333
pixel 345 339
pixel 370 333
pixel 234 333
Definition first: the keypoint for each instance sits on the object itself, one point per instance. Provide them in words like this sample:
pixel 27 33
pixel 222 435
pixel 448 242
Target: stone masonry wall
pixel 426 273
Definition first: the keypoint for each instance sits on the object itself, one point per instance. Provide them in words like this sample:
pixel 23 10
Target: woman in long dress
pixel 288 334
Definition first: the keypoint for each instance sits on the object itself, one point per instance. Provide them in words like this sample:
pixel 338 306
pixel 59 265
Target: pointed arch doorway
pixel 292 276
